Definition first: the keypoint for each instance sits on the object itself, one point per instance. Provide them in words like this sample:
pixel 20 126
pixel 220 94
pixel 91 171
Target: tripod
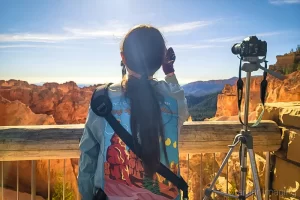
pixel 245 138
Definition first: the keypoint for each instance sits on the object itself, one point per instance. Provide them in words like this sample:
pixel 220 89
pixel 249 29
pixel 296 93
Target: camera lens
pixel 236 48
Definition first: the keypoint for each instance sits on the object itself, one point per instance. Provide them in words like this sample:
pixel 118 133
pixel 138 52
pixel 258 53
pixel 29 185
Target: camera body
pixel 250 47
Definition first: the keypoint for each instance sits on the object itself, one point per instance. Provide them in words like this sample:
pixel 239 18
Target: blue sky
pixel 67 40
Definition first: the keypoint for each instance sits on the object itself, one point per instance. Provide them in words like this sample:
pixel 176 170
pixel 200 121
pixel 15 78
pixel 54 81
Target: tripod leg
pixel 243 170
pixel 208 191
pixel 255 174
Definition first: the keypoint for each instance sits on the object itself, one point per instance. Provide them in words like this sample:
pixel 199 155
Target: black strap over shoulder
pixel 100 103
pixel 102 106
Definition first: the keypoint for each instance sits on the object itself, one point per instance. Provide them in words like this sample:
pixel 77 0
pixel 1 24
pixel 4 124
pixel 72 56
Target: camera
pixel 250 47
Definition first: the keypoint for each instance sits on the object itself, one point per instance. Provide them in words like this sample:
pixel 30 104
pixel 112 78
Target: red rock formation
pixel 13 82
pixel 277 91
pixel 13 113
pixel 66 102
pixel 287 59
pixel 286 63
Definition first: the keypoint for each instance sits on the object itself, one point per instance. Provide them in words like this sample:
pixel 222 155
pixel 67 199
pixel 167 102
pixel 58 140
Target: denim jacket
pixel 107 163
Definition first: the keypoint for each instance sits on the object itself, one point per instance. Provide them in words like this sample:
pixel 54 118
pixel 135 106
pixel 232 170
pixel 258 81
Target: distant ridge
pixel 202 88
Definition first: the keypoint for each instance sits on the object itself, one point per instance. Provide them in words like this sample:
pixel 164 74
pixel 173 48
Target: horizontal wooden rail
pixel 62 141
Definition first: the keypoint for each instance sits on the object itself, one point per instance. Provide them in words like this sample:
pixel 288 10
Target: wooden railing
pixel 46 142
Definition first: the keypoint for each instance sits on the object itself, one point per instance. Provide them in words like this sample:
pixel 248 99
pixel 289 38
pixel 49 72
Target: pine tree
pixel 298 48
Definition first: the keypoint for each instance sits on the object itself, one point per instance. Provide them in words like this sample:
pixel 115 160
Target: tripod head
pixel 253 64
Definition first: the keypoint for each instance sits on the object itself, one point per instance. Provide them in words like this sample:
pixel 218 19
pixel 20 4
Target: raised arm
pixel 174 88
pixel 177 92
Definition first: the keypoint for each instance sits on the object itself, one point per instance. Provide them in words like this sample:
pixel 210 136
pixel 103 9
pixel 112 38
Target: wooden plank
pixel 61 141
pixel 215 136
pixel 38 155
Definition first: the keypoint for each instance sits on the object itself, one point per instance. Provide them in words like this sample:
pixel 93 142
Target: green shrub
pixel 290 69
pixel 58 190
pixel 232 190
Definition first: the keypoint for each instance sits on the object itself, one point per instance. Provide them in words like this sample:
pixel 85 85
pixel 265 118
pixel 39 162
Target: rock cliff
pixel 15 113
pixel 67 103
pixel 286 161
pixel 287 63
pixel 277 91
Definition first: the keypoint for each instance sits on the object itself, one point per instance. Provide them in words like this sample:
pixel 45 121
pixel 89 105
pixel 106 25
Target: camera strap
pixel 102 106
pixel 263 90
pixel 240 85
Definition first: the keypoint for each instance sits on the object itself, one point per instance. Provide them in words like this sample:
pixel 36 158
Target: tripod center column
pixel 247 98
